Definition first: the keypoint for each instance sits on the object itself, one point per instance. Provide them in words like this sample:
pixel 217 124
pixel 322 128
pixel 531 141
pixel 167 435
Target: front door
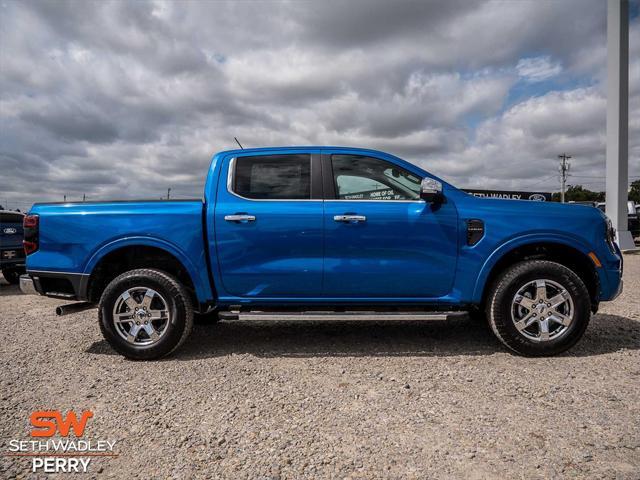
pixel 268 226
pixel 381 240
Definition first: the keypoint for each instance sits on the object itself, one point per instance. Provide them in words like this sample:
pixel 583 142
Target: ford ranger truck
pixel 11 253
pixel 324 229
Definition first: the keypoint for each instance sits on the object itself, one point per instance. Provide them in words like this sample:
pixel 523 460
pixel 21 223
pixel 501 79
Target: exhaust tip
pixel 73 308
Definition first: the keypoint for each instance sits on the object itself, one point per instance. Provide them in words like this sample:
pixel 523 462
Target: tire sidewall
pixel 581 304
pixel 175 303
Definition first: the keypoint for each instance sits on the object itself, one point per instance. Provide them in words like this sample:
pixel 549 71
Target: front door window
pixel 359 177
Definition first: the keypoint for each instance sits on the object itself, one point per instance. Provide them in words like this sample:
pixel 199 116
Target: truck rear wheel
pixel 539 308
pixel 145 314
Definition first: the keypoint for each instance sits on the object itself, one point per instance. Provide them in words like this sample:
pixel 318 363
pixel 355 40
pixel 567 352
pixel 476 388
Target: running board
pixel 315 315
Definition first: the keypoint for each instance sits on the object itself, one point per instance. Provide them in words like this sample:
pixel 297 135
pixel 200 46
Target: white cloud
pixel 519 148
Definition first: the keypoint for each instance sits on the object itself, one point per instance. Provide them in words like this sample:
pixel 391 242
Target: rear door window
pixel 273 177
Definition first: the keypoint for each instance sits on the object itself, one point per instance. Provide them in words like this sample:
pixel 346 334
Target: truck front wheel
pixel 539 308
pixel 145 314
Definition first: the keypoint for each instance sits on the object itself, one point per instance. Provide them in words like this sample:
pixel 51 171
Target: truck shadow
pixel 397 338
pixel 7 290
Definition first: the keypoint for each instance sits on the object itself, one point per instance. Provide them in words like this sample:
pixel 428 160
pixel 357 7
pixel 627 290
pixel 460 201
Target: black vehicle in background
pixel 633 216
pixel 12 256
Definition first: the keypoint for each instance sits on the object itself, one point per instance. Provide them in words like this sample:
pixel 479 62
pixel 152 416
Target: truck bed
pixel 76 236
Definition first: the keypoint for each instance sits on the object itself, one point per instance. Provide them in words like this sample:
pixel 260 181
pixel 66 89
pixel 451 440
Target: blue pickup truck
pixel 324 229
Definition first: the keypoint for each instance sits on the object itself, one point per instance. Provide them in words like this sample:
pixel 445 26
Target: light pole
pixel 618 120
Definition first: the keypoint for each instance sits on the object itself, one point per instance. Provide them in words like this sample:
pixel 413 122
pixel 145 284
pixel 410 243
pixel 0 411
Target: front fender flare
pixel 520 241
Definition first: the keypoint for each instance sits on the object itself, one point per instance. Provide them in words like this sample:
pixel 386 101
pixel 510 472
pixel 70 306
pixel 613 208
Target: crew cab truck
pixel 324 229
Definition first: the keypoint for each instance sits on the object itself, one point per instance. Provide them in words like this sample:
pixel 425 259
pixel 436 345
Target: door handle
pixel 350 218
pixel 240 218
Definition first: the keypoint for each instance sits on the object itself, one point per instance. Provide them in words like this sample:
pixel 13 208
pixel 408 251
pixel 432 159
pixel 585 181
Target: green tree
pixel 577 193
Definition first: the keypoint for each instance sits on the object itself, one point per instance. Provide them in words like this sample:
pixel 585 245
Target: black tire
pixel 209 318
pixel 12 275
pixel 504 290
pixel 477 314
pixel 179 306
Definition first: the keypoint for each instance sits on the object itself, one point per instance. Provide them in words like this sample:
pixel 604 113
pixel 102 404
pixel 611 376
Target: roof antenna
pixel 238 143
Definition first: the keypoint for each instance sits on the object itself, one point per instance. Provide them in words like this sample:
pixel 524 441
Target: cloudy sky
pixel 125 99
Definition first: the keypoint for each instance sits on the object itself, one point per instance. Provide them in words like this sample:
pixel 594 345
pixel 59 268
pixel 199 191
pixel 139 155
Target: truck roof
pixel 300 147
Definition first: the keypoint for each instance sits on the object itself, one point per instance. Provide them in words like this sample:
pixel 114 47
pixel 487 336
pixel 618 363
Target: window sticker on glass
pixel 366 178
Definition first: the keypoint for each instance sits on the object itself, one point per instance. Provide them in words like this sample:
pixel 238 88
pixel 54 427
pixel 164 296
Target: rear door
pixel 268 225
pixel 381 240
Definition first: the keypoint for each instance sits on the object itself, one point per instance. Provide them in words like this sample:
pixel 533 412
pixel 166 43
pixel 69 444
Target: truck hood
pixel 568 210
pixel 505 219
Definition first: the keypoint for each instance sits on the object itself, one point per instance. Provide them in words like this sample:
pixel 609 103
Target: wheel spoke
pixel 129 300
pixel 123 317
pixel 148 296
pixel 541 290
pixel 153 334
pixel 560 318
pixel 525 302
pixel 544 329
pixel 526 321
pixel 157 314
pixel 558 299
pixel 133 333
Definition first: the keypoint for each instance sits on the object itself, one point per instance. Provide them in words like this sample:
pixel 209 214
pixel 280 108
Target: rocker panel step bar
pixel 359 315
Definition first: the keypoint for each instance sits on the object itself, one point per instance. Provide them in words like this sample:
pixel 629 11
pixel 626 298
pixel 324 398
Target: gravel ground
pixel 333 399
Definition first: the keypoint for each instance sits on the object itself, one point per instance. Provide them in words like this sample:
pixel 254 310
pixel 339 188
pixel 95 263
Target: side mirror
pixel 430 190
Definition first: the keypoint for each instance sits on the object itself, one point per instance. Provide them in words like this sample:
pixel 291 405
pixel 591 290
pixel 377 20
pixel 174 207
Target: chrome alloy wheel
pixel 141 316
pixel 542 310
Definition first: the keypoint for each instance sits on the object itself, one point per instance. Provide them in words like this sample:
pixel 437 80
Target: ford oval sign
pixel 537 197
pixel 10 231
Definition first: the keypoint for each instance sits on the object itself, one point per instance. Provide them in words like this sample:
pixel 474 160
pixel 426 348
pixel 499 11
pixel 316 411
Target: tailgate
pixel 11 230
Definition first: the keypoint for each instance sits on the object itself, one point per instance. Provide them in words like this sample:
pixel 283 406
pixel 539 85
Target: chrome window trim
pixel 231 176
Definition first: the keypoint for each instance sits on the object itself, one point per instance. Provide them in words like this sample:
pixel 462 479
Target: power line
pixel 541 181
pixel 598 176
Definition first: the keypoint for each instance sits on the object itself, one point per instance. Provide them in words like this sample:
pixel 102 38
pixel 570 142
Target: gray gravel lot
pixel 332 399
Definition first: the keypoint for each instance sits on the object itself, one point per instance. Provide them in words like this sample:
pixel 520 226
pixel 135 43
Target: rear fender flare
pixel 198 276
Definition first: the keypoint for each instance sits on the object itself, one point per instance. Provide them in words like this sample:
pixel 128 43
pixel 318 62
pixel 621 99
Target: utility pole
pixel 168 193
pixel 65 199
pixel 564 173
pixel 84 197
